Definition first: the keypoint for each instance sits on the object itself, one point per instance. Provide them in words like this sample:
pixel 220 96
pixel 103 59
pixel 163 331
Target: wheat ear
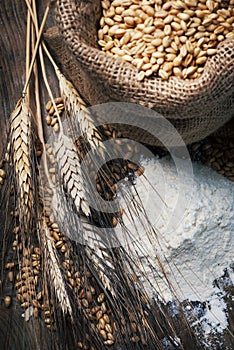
pixel 52 268
pixel 21 144
pixel 75 107
pixel 98 250
pixel 70 171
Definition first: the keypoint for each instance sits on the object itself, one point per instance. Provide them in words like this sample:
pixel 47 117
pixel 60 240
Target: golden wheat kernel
pixel 230 20
pixel 101 43
pixel 158 24
pixel 167 29
pixel 192 3
pixel 49 105
pixel 220 37
pixel 129 21
pixel 108 328
pixel 170 50
pixel 188 60
pixel 191 70
pixel 157 7
pixel 117 3
pixel 183 16
pixel 167 66
pixel 54 121
pixel 230 35
pixel 183 39
pixel 146 66
pixel 103 334
pixel 183 25
pixel 189 46
pixel 202 53
pixel 138 20
pixel 127 58
pixel 156 42
pixel 145 59
pixel 211 52
pixel 199 13
pixel 190 31
pixel 140 76
pixel 177 72
pixel 109 21
pixel 101 298
pixel 105 4
pixel 108 342
pixel 149 22
pixel 176 26
pixel 224 13
pixel 161 14
pixel 159 34
pixel 148 38
pixel 149 30
pixel 149 50
pixel 149 10
pixel 129 13
pixel 160 61
pixel 119 10
pixel 183 50
pixel 158 54
pixel 196 22
pixel 177 61
pixel 166 42
pixel 174 46
pixel 101 323
pixel 179 5
pixel 168 19
pixel 7 300
pixel 108 46
pixel 140 27
pixel 170 57
pixel 140 64
pixel 111 339
pixel 201 60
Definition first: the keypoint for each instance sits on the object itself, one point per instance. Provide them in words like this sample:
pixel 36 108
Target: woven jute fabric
pixel 197 108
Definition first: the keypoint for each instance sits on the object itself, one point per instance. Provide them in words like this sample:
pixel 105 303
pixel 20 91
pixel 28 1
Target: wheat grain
pixel 126 28
pixel 52 268
pixel 21 144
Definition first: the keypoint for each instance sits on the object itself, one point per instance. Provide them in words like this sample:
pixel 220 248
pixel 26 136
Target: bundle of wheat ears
pixel 76 286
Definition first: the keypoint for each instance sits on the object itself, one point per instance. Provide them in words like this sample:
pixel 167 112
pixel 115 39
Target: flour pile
pixel 199 247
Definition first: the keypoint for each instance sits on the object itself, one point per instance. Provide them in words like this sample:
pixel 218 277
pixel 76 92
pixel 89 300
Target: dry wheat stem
pixel 28 47
pixel 36 49
pixel 70 172
pixel 21 143
pixel 52 268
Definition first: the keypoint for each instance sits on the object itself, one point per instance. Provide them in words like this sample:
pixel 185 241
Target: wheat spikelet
pixel 70 172
pixel 52 268
pixel 75 107
pixel 21 146
pixel 96 245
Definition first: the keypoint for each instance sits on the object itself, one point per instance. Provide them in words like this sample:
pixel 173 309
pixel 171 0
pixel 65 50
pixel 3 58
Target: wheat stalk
pixel 21 145
pixel 52 268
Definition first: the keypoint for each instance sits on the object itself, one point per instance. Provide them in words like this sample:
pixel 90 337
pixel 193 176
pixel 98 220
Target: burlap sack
pixel 196 108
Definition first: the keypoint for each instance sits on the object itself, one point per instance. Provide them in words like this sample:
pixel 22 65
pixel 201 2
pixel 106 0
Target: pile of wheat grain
pixel 165 38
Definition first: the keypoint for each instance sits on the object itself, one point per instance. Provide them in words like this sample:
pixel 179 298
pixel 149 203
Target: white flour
pixel 197 251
